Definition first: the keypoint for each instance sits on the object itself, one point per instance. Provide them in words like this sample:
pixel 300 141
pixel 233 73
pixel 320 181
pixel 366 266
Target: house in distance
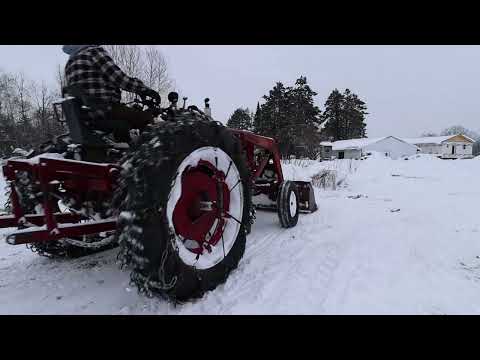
pixel 390 146
pixel 445 147
pixel 457 146
pixel 325 150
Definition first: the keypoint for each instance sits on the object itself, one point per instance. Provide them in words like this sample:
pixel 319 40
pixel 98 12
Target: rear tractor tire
pixel 183 223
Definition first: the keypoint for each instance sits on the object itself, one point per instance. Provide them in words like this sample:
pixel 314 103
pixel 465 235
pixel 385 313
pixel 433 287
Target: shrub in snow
pixel 325 179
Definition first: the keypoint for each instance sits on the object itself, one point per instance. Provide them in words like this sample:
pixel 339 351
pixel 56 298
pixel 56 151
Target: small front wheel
pixel 287 204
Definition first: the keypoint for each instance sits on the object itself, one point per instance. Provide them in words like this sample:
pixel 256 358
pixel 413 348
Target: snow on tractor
pixel 178 202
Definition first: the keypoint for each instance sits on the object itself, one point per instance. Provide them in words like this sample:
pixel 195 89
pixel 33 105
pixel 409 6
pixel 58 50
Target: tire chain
pixel 130 254
pixel 131 248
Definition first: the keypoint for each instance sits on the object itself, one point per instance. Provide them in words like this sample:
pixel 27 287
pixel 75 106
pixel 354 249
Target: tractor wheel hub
pixel 205 207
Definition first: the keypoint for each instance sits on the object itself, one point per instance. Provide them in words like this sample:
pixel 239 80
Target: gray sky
pixel 408 89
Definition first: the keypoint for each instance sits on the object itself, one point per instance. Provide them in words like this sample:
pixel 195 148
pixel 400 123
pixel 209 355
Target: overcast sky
pixel 408 89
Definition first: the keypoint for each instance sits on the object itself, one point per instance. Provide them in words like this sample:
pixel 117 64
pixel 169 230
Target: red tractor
pixel 178 202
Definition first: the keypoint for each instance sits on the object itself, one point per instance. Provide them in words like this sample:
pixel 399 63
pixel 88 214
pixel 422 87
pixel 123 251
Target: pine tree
pixel 290 116
pixel 273 112
pixel 240 119
pixel 302 130
pixel 333 116
pixel 355 111
pixel 257 121
pixel 344 116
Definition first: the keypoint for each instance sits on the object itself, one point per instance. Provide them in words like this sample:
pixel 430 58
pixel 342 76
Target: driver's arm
pixel 115 74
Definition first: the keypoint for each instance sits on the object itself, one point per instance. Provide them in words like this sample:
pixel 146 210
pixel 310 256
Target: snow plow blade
pixel 306 196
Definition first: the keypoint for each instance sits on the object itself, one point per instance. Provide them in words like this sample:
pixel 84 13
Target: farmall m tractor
pixel 178 202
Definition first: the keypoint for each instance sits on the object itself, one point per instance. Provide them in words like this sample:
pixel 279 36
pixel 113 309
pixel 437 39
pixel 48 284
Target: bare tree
pixel 7 115
pixel 458 129
pixel 15 111
pixel 147 64
pixel 23 94
pixel 43 98
pixel 26 113
pixel 4 93
pixel 428 134
pixel 61 81
pixel 129 59
pixel 155 71
pixel 7 97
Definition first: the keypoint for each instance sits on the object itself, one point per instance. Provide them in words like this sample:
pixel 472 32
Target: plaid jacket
pixel 96 73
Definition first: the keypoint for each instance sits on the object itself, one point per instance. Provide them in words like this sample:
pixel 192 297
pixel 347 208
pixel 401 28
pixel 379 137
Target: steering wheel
pixel 144 103
pixel 135 101
pixel 151 104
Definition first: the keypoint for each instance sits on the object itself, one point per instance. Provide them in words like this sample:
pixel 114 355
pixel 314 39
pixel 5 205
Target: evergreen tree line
pixel 289 114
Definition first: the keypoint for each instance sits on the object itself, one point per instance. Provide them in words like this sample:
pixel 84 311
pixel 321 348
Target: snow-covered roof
pixel 326 143
pixel 354 143
pixel 427 140
pixel 433 139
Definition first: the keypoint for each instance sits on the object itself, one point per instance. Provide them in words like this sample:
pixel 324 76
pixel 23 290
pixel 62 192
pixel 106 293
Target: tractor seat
pixel 80 133
pixel 75 108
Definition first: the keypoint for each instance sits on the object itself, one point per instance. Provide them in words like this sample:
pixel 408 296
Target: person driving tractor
pixel 91 70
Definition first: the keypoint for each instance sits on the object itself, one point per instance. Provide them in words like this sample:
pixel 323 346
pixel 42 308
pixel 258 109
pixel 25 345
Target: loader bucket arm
pixel 250 141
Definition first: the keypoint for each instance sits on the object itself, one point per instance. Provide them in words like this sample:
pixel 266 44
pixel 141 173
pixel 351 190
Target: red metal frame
pixel 261 153
pixel 250 141
pixel 76 177
pixel 79 178
pixel 60 231
pixel 270 155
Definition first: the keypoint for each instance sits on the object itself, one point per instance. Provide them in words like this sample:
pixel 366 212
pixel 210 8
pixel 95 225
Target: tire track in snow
pixel 277 270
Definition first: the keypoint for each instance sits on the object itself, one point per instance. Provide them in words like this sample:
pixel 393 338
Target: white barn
pixel 446 147
pixel 390 146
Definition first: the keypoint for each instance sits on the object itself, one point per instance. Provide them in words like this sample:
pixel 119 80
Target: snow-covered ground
pixel 397 237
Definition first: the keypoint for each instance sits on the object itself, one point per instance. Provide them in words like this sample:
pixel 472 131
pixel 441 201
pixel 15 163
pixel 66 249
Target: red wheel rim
pixel 200 212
